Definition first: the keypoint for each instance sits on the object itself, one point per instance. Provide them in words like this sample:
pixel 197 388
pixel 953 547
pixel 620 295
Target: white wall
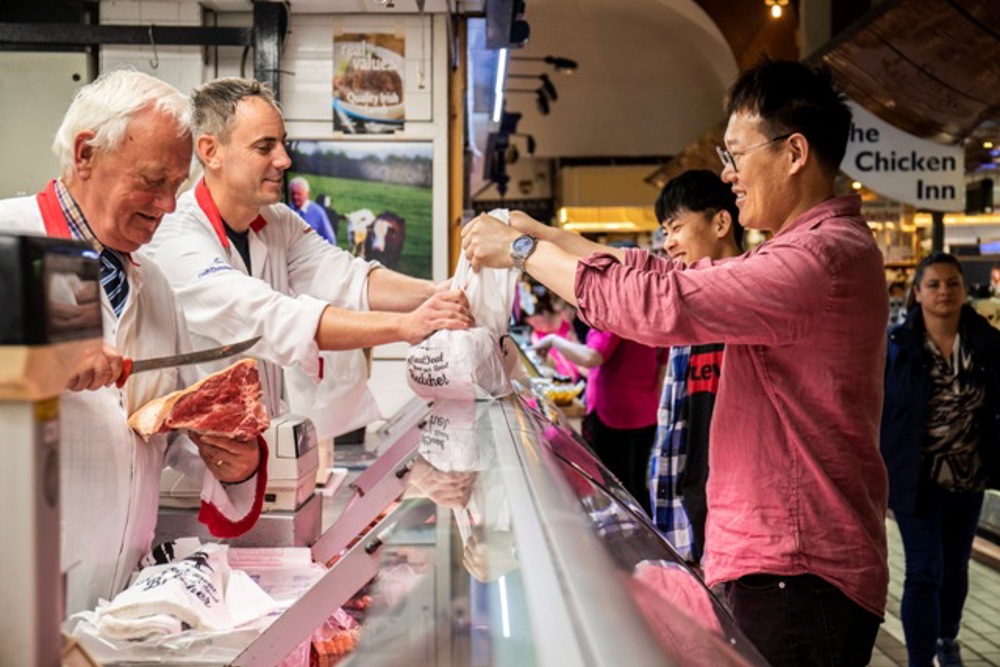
pixel 35 90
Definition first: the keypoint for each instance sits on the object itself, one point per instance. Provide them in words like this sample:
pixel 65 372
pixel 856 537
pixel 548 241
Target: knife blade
pixel 132 366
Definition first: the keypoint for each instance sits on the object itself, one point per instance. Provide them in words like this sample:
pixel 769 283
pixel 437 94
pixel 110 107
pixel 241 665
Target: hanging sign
pixel 903 167
pixel 368 80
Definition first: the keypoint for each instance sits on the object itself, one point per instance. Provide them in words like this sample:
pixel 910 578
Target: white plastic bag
pixel 472 363
pixel 195 609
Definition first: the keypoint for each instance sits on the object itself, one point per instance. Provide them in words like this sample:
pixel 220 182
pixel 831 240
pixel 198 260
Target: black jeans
pixel 802 621
pixel 625 452
pixel 937 541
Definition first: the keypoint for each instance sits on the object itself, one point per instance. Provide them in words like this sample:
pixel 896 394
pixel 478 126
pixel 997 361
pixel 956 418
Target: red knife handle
pixel 126 372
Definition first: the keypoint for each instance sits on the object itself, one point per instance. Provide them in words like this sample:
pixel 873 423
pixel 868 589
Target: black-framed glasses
pixel 729 159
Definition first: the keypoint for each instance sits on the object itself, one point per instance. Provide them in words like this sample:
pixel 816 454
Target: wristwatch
pixel 521 249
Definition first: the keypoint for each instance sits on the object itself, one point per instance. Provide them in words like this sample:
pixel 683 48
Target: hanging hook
pixel 155 62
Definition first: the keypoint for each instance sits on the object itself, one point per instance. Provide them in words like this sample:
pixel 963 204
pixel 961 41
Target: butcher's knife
pixel 130 366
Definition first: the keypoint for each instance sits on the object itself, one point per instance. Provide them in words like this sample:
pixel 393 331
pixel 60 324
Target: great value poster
pixel 369 77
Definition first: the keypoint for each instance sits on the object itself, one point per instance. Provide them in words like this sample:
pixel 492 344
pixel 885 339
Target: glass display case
pixel 483 533
pixel 486 533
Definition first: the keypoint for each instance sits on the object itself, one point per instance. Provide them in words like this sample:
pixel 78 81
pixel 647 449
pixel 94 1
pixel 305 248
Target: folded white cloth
pixel 157 625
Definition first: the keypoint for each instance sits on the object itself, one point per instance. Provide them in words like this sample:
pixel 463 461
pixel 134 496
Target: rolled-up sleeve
pixel 764 297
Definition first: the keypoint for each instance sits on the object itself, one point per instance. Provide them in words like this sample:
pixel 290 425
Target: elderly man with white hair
pixel 308 210
pixel 125 148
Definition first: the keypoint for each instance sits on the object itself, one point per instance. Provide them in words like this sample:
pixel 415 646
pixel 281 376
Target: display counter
pixel 486 533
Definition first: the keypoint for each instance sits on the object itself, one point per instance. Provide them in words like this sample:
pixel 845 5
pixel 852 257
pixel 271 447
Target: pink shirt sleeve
pixel 602 342
pixel 761 298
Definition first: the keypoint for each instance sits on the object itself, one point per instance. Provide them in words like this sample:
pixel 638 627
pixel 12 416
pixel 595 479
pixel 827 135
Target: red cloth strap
pixel 52 213
pixel 204 198
pixel 54 218
pixel 222 526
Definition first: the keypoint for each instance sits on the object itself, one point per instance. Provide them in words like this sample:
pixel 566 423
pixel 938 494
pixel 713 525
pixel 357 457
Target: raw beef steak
pixel 226 404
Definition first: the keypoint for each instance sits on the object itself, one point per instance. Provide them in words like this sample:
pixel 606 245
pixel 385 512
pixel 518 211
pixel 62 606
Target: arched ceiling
pixel 651 77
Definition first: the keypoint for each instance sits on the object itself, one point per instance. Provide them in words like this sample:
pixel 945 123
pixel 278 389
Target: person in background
pixel 552 317
pixel 125 148
pixel 242 264
pixel 699 215
pixel 797 491
pixel 622 389
pixel 942 449
pixel 308 210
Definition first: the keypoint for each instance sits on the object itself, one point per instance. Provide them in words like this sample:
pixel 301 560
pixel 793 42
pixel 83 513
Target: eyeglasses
pixel 729 159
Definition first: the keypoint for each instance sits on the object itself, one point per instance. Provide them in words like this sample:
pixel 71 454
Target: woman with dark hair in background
pixel 551 318
pixel 941 445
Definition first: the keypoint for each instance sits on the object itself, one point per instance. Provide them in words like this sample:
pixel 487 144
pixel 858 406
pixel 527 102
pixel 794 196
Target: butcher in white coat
pixel 242 264
pixel 125 148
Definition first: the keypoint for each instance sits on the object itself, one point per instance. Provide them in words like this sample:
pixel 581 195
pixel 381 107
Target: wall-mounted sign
pixel 368 77
pixel 903 167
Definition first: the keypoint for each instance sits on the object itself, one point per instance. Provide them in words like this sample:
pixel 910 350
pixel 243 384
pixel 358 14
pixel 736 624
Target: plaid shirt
pixel 78 226
pixel 666 463
pixel 114 279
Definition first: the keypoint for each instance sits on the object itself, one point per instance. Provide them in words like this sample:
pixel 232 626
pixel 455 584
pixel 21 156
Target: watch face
pixel 523 244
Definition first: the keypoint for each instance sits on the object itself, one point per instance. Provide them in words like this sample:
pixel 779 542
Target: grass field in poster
pixel 387 179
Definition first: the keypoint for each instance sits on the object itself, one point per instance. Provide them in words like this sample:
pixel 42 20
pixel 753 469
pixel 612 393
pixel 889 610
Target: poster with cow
pixel 376 196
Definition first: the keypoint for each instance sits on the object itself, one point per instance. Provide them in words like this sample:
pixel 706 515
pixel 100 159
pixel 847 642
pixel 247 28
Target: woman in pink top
pixel 622 399
pixel 551 317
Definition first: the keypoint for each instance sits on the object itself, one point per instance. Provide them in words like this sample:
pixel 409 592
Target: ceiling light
pixel 541 99
pixel 547 86
pixel 499 84
pixel 776 7
pixel 564 65
pixel 987 144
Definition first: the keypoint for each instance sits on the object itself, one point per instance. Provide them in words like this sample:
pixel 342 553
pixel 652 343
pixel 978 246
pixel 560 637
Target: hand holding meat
pixel 226 404
pixel 444 310
pixel 486 243
pixel 97 369
pixel 228 459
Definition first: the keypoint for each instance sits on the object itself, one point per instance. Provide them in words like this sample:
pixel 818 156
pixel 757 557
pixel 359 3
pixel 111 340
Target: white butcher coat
pixel 294 275
pixel 109 477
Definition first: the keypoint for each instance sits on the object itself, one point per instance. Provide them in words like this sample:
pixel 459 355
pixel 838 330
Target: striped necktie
pixel 114 280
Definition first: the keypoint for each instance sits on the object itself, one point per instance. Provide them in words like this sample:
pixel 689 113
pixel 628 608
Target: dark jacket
pixel 907 391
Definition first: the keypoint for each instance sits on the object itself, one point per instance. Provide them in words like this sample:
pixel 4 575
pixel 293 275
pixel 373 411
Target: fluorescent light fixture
pixel 498 85
pixel 504 611
pixel 597 219
pixel 924 219
pixel 595 227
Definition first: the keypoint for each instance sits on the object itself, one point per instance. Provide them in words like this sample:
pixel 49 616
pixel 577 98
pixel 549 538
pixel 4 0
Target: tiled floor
pixel 980 634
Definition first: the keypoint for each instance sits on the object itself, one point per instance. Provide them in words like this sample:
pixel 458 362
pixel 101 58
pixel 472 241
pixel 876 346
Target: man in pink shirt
pixel 797 493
